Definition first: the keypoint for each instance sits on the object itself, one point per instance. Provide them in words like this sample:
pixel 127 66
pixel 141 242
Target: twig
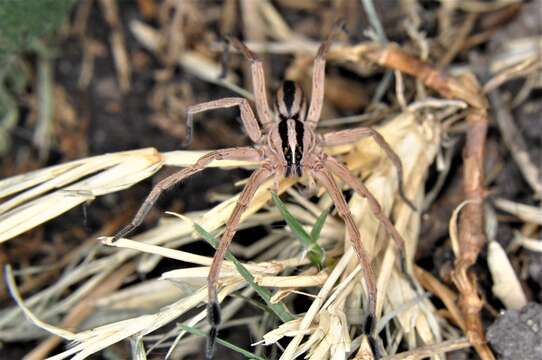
pixel 431 350
pixel 528 243
pixel 374 20
pixel 391 56
pixel 524 212
pixel 81 17
pixel 400 89
pixel 447 296
pixel 471 234
pixel 515 143
pixel 523 68
pixel 459 40
pixel 118 46
pixel 442 175
pixel 484 6
pixel 44 128
pixel 381 35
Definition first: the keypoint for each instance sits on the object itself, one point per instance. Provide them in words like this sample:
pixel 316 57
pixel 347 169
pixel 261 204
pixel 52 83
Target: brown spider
pixel 286 145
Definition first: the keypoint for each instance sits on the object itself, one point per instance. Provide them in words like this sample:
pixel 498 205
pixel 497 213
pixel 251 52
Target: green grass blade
pixel 319 224
pixel 315 253
pixel 292 222
pixel 279 309
pixel 241 351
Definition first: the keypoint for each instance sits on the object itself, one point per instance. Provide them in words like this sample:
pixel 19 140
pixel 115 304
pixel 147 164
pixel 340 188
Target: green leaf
pixel 279 309
pixel 315 253
pixel 241 351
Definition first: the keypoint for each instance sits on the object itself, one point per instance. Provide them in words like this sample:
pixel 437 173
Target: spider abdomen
pixel 290 101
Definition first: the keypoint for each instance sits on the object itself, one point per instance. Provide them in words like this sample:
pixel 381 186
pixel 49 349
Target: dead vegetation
pixel 454 87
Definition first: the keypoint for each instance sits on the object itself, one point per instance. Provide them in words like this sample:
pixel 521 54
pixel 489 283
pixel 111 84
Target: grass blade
pixel 279 309
pixel 241 351
pixel 315 253
pixel 319 224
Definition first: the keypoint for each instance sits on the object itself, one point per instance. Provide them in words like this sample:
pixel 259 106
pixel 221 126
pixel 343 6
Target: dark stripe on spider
pixel 288 91
pixel 283 133
pixel 299 132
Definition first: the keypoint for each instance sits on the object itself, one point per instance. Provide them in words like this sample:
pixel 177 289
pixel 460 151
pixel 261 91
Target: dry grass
pixel 335 306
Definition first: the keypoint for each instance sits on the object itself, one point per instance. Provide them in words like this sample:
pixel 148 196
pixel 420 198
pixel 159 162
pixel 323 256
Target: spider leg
pixel 239 153
pixel 344 174
pixel 247 116
pixel 326 179
pixel 258 83
pixel 353 135
pixel 318 77
pixel 213 307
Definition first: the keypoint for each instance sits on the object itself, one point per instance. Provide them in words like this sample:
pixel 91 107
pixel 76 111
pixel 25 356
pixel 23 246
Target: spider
pixel 287 145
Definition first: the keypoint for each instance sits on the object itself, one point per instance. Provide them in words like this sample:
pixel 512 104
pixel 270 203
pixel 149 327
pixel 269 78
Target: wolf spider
pixel 287 146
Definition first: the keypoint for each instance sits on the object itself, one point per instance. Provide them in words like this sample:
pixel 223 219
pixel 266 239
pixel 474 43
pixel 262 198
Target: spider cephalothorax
pixel 286 145
pixel 286 137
